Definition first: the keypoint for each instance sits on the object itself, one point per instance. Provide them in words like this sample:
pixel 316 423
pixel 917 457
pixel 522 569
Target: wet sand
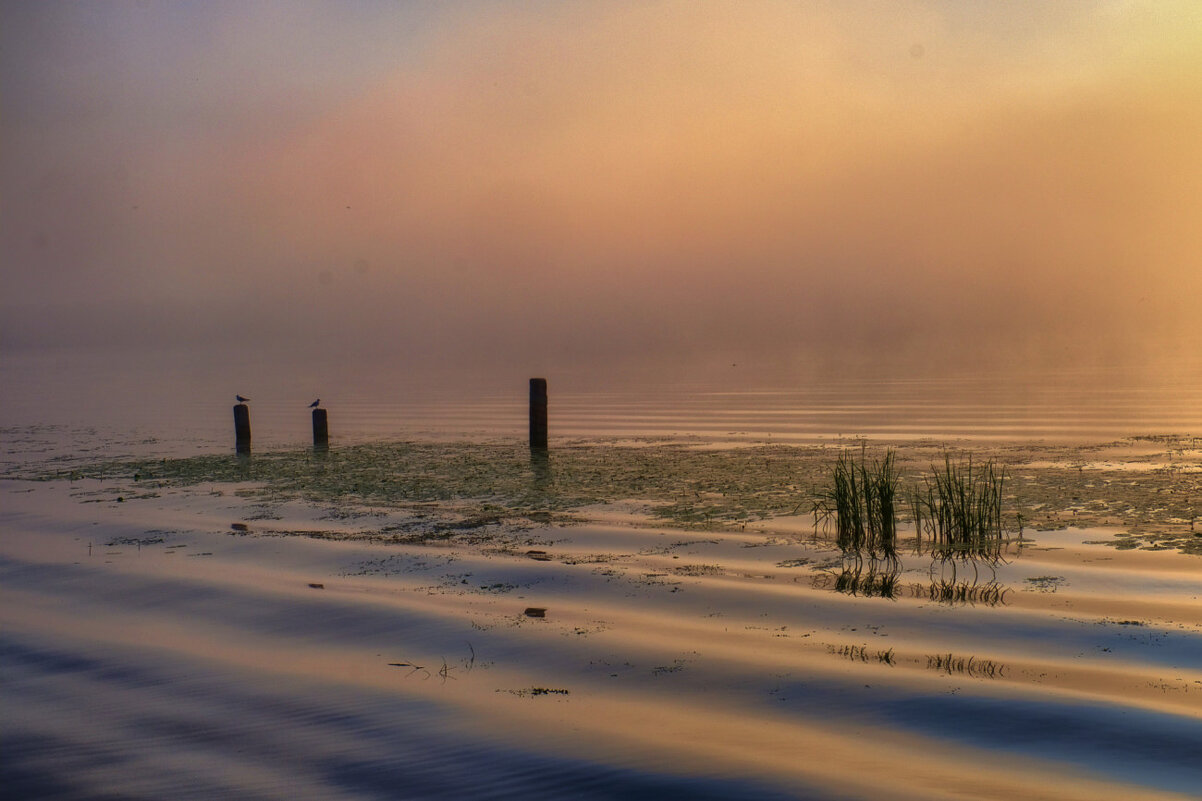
pixel 279 633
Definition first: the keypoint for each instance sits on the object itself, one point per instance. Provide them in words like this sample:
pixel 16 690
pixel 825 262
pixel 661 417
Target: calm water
pixel 178 405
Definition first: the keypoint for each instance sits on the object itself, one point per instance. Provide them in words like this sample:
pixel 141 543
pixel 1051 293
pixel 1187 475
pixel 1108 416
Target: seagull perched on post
pixel 241 399
pixel 313 405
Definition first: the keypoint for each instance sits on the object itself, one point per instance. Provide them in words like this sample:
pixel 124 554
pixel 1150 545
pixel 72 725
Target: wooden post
pixel 538 413
pixel 321 430
pixel 242 428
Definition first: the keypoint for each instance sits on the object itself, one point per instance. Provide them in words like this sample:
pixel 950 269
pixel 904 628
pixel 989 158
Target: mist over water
pixel 197 199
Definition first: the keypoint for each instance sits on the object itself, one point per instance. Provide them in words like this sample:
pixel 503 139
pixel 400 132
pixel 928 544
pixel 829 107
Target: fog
pixel 546 188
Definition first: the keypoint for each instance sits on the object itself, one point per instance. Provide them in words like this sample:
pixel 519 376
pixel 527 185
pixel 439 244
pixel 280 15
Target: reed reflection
pixel 871 578
pixel 963 593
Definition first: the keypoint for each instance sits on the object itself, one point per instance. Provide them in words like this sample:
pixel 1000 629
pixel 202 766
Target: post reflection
pixel 540 465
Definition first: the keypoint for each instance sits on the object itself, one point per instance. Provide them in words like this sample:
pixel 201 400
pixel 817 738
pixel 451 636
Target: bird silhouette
pixel 241 399
pixel 313 405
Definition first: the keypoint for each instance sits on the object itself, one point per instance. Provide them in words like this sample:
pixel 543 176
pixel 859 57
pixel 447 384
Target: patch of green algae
pixel 681 484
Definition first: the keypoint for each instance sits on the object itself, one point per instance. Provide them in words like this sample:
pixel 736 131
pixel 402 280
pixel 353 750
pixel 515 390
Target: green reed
pixel 861 502
pixel 959 508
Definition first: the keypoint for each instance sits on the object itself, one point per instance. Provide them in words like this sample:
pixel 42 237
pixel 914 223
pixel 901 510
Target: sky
pixel 546 187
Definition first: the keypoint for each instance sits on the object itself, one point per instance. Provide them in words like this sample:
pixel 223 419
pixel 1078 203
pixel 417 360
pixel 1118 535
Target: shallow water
pixel 355 625
pixel 182 406
pixel 168 641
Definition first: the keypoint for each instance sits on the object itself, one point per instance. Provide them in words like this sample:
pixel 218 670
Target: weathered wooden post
pixel 538 413
pixel 321 430
pixel 242 428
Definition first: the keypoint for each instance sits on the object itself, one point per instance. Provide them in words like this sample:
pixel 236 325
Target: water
pixel 180 405
pixel 231 644
pixel 178 658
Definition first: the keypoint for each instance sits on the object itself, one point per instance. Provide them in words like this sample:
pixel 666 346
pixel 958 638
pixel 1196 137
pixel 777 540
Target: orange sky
pixel 548 185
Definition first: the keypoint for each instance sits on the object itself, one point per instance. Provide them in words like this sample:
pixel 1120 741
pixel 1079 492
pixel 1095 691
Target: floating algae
pixel 492 482
pixel 464 486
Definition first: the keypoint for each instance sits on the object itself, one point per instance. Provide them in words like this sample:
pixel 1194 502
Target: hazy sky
pixel 537 186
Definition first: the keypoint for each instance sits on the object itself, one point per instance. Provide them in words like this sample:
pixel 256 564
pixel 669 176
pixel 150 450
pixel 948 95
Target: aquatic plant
pixel 861 503
pixel 959 510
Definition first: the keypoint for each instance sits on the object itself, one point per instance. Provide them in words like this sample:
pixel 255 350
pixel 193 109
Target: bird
pixel 314 404
pixel 241 399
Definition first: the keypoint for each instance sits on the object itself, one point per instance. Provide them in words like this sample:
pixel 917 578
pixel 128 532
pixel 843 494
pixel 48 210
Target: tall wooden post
pixel 538 413
pixel 321 430
pixel 242 428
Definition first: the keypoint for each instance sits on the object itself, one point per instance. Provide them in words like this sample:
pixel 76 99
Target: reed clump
pixel 861 503
pixel 959 510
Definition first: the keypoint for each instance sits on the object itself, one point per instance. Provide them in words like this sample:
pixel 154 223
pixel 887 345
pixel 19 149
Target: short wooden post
pixel 242 428
pixel 321 430
pixel 538 413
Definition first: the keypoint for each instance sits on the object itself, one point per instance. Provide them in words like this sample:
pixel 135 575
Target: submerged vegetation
pixel 496 482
